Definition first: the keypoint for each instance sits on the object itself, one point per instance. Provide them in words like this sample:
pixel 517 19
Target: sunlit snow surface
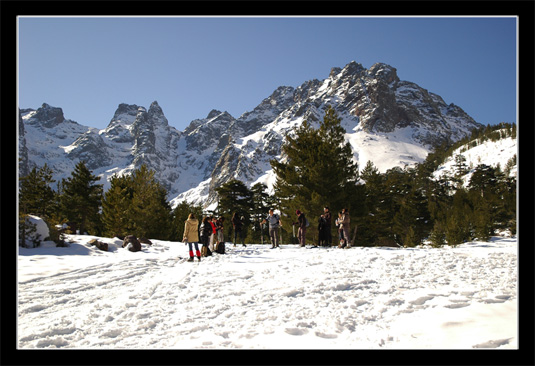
pixel 261 298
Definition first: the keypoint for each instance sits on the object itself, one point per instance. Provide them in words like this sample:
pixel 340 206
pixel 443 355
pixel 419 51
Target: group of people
pixel 324 228
pixel 210 232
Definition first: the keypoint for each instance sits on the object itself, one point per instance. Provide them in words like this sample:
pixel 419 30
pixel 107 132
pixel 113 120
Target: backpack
pixel 220 247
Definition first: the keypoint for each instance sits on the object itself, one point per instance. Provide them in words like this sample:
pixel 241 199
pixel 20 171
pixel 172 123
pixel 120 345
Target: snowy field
pixel 260 298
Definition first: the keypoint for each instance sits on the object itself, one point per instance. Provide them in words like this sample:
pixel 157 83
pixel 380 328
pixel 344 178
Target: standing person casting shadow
pixel 301 233
pixel 191 236
pixel 274 225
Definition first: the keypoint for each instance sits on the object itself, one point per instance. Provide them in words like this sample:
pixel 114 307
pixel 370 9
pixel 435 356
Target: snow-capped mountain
pixel 388 121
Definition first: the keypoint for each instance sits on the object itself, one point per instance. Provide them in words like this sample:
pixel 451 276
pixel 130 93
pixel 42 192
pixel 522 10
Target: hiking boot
pixel 190 259
pixel 199 258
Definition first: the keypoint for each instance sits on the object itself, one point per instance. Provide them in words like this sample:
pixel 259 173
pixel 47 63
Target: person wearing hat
pixel 302 224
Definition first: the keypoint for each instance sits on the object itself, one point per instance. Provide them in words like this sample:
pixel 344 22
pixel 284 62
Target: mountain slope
pixel 388 121
pixel 500 152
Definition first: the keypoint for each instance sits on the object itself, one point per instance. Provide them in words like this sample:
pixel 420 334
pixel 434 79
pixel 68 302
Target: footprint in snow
pixel 296 331
pixel 421 300
pixel 325 335
pixel 493 343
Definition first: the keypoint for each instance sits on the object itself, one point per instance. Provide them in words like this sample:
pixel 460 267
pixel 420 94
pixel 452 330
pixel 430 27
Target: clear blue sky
pixel 88 66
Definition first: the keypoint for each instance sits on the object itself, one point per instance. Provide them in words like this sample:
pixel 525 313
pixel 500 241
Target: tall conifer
pixel 116 205
pixel 317 168
pixel 150 210
pixel 81 198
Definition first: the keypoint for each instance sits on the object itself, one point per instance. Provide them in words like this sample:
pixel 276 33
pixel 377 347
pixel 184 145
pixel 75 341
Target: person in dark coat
pixel 237 224
pixel 205 233
pixel 327 217
pixel 322 234
pixel 301 222
pixel 220 225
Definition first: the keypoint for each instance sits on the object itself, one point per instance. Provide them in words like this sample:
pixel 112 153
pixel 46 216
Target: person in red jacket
pixel 213 237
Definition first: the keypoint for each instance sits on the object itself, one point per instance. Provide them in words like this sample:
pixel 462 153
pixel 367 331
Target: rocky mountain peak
pixel 156 113
pixel 125 109
pixel 213 114
pixel 49 116
pixel 384 72
pixel 119 128
pixel 352 68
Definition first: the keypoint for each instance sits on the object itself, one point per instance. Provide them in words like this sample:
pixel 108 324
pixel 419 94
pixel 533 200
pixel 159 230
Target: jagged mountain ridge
pixel 388 121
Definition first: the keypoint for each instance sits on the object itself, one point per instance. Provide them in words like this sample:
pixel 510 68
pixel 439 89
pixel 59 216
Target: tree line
pixel 402 206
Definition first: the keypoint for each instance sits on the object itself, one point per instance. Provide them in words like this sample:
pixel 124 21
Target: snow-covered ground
pixel 491 153
pixel 260 298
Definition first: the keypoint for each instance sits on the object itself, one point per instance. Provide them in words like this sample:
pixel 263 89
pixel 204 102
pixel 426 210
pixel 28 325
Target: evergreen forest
pixel 401 207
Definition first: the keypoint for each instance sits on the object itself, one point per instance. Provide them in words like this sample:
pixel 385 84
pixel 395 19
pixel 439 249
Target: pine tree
pixel 370 174
pixel 317 168
pixel 439 199
pixel 509 165
pixel 438 234
pixel 150 211
pixel 81 199
pixel 393 189
pixel 369 224
pixel 482 218
pixel 461 169
pixel 411 222
pixel 137 205
pixel 411 219
pixel 507 194
pixel 234 196
pixel 35 194
pixel 484 179
pixel 459 218
pixel 261 203
pixel 116 206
